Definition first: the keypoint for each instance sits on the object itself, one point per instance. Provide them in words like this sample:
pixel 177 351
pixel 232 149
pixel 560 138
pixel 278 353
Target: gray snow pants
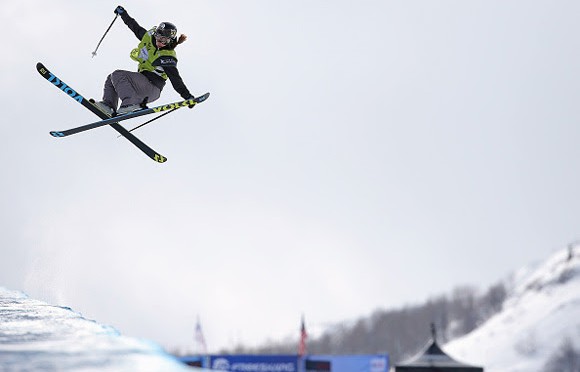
pixel 130 87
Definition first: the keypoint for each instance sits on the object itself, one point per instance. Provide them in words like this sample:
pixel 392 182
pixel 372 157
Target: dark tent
pixel 433 359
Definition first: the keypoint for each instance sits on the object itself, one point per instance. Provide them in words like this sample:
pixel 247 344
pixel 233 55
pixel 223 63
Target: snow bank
pixel 37 336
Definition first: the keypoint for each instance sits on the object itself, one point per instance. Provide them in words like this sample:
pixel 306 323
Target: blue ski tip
pixel 57 134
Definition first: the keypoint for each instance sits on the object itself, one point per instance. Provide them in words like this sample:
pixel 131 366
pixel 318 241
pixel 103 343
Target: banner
pixel 291 363
pixel 254 363
pixel 347 363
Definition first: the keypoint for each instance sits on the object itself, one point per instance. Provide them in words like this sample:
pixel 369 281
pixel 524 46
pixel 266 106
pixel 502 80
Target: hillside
pixel 540 317
pixel 520 324
pixel 531 323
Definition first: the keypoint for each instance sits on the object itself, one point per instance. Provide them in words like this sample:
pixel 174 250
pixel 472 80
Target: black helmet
pixel 166 29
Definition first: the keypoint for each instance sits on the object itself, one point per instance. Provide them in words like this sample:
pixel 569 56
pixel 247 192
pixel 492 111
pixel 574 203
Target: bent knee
pixel 119 74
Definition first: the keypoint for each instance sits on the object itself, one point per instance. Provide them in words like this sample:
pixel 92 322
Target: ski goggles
pixel 163 39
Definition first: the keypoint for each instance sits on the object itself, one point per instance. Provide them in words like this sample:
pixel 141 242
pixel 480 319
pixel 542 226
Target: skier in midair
pixel 157 63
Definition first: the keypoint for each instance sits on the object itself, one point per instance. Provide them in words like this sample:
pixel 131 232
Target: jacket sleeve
pixel 177 81
pixel 133 25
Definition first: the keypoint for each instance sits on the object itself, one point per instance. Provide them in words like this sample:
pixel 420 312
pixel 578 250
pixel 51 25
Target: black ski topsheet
pixel 85 102
pixel 145 111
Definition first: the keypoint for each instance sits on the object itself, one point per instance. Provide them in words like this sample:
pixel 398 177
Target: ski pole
pixel 149 121
pixel 100 41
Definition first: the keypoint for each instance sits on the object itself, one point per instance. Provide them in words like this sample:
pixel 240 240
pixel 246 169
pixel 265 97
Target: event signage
pixel 255 363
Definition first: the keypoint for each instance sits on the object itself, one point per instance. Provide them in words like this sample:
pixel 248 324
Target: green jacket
pixel 157 64
pixel 152 59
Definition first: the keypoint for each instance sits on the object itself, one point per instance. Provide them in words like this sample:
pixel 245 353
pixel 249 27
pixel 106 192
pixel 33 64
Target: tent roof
pixel 432 356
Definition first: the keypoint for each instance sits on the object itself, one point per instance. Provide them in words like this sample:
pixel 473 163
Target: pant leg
pixel 110 96
pixel 133 87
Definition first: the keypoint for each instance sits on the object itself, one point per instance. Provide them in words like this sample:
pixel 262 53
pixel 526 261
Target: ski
pixel 144 111
pixel 86 103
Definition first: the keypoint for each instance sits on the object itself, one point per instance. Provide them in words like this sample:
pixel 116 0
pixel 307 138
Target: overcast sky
pixel 353 155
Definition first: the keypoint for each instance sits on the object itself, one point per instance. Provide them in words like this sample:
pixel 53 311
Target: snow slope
pixel 36 336
pixel 542 310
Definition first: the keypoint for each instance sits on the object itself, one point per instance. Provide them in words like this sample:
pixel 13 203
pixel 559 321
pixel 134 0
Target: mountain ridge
pixel 541 312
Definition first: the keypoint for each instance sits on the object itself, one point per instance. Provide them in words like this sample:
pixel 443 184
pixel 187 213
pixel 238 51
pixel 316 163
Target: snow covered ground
pixel 36 336
pixel 542 311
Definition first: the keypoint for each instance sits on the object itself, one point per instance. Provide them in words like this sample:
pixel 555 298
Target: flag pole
pixel 302 351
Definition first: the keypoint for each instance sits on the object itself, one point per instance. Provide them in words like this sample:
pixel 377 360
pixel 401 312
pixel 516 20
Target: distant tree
pixel 571 247
pixel 438 310
pixel 464 311
pixel 358 338
pixel 565 359
pixel 400 332
pixel 492 302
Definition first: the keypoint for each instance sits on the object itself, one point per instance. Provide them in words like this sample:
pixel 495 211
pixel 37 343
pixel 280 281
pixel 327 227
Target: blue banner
pixel 254 363
pixel 347 363
pixel 291 363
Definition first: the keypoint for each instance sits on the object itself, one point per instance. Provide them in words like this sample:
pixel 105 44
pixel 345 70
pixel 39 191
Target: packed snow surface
pixel 36 336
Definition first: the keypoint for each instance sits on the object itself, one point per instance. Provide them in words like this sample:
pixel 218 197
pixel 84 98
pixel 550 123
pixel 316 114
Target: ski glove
pixel 119 10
